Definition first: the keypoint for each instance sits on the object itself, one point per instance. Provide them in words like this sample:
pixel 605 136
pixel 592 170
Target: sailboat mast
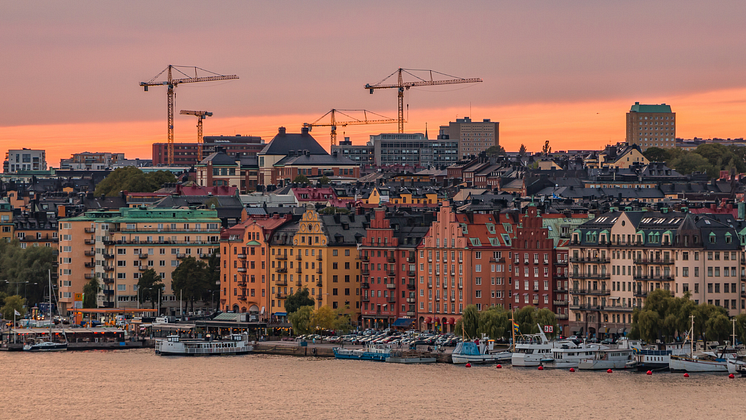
pixel 512 327
pixel 691 338
pixel 49 273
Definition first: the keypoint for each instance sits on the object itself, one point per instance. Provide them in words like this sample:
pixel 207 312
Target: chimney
pixel 60 212
pixel 281 131
pixel 304 131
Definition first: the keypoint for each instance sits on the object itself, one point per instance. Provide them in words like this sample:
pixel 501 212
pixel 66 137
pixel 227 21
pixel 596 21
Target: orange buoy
pixel 686 375
pixel 650 372
pixel 468 365
pixel 572 369
pixel 731 376
pixel 541 367
pixel 608 370
pixel 499 366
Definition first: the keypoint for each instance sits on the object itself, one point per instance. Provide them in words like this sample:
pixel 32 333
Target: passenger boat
pixel 737 365
pixel 705 362
pixel 174 345
pixel 375 352
pixel 658 359
pixel 536 349
pixel 470 352
pixel 407 357
pixel 609 359
pixel 569 357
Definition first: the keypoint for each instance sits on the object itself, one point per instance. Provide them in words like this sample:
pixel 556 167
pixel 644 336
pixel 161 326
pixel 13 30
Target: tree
pixel 648 324
pixel 301 320
pixel 692 162
pixel 90 293
pixel 26 270
pixel 324 180
pixel 212 277
pixel 189 279
pixel 298 300
pixel 324 318
pixel 546 150
pixel 12 304
pixel 718 327
pixel 148 287
pixel 741 328
pixel 133 180
pixel 522 151
pixel 494 322
pixel 469 322
pixel 656 154
pixel 495 151
pixel 301 179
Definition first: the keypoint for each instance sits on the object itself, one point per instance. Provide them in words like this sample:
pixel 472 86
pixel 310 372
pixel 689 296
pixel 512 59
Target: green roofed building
pixel 651 126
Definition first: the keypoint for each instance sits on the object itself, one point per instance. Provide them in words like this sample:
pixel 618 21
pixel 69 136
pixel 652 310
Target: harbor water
pixel 138 384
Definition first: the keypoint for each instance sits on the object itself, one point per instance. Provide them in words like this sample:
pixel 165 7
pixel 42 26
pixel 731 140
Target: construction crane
pixel 201 115
pixel 353 121
pixel 171 83
pixel 401 85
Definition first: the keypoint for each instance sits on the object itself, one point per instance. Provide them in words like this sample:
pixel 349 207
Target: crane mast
pixel 171 83
pixel 401 86
pixel 201 115
pixel 353 121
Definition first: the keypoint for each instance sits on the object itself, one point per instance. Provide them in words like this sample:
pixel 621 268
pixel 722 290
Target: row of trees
pixel 25 276
pixel 306 320
pixel 667 318
pixel 133 180
pixel 706 158
pixel 495 322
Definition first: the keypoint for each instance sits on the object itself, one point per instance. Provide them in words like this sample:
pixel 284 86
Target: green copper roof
pixel 637 107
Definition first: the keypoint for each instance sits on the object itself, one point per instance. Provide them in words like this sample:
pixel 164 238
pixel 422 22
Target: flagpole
pixel 512 327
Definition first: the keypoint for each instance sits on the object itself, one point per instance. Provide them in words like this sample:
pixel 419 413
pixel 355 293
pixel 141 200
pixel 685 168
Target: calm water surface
pixel 138 384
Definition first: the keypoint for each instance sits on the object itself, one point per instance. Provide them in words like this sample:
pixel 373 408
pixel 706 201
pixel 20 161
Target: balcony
pixel 106 256
pixel 617 308
pixel 282 257
pixel 319 283
pixel 366 298
pixel 299 270
pixel 180 256
pixel 583 260
pixel 88 276
pixel 142 256
pixel 412 273
pixel 89 230
pixel 90 265
pixel 411 313
pixel 319 257
pixel 91 253
pixel 241 269
pixel 562 316
pixel 108 280
pixel 640 293
pixel 559 302
pixel 242 297
pixel 599 292
pixel 391 273
pixel 299 283
pixel 391 259
pixel 281 295
pixel 411 300
pixel 319 298
pixel 585 308
pixel 89 241
pixel 561 262
pixel 411 286
pixel 143 268
pixel 319 271
pixel 281 282
pixel 661 261
pixel 241 256
pixel 559 276
pixel 596 276
pixel 411 260
pixel 365 285
pixel 282 269
pixel 205 256
pixel 391 285
pixel 645 277
pixel 497 260
pixel 743 294
pixel 391 299
pixel 364 258
pixel 108 292
pixel 365 271
pixel 298 257
pixel 108 268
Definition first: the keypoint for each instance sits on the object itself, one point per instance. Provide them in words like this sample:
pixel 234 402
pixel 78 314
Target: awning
pixel 452 321
pixel 280 314
pixel 612 330
pixel 402 322
pixel 428 320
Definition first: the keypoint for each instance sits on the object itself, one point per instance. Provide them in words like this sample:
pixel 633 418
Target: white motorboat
pixel 737 365
pixel 609 359
pixel 174 345
pixel 706 362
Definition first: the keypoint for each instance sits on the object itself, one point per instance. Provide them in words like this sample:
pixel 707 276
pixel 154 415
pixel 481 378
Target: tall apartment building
pixel 389 268
pixel 88 161
pixel 651 126
pixel 20 160
pixel 318 252
pixel 534 258
pixel 117 246
pixel 620 257
pixel 185 154
pixel 244 273
pixel 413 149
pixel 473 137
pixel 462 261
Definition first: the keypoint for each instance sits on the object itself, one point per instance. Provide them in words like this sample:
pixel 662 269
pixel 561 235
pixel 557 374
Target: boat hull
pixel 604 364
pixel 375 356
pixel 202 348
pixel 529 360
pixel 43 347
pixel 686 365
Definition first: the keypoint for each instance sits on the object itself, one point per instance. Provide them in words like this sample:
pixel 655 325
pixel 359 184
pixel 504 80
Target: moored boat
pixel 569 357
pixel 174 345
pixel 706 362
pixel 49 344
pixel 376 352
pixel 609 359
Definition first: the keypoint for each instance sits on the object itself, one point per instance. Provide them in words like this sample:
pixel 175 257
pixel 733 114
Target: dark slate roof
pixel 343 229
pixel 284 142
pixel 313 160
pixel 219 158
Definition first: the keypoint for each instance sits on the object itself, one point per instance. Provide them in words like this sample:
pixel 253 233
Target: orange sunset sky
pixel 566 72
